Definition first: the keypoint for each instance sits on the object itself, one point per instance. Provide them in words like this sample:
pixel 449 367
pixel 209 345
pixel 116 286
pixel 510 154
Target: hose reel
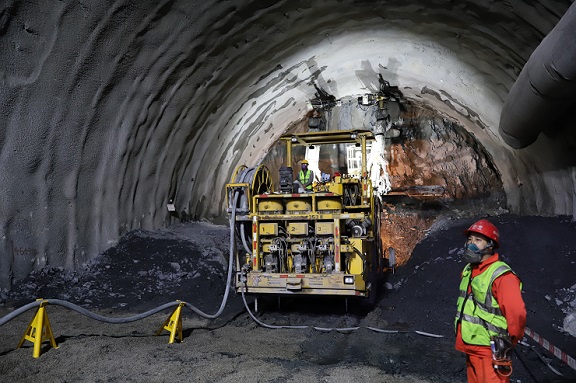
pixel 248 182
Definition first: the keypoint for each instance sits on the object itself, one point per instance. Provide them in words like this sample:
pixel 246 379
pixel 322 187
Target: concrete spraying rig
pixel 321 242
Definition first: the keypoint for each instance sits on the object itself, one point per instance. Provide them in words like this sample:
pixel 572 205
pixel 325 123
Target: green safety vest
pixel 304 177
pixel 480 317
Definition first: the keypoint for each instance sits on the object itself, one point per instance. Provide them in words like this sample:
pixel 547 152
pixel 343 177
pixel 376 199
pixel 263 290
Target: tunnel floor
pixel 188 262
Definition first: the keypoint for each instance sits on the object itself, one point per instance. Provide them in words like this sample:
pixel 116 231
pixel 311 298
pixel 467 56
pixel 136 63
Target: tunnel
pixel 111 111
pixel 127 115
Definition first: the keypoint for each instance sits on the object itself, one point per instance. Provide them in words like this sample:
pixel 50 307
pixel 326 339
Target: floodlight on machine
pixel 348 280
pixel 367 99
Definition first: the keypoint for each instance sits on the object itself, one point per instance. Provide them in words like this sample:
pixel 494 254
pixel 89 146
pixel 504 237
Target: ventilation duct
pixel 545 88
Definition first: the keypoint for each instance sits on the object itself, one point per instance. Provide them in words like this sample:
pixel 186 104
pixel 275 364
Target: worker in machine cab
pixel 305 178
pixel 491 314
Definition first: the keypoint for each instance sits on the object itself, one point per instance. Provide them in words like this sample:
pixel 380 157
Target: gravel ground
pixel 188 262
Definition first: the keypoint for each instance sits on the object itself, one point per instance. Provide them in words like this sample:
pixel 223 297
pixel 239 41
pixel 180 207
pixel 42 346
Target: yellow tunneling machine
pixel 322 242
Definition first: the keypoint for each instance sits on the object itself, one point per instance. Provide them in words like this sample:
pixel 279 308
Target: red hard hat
pixel 487 229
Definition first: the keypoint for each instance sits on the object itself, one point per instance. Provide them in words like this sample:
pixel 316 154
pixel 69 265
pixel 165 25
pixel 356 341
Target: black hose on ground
pixel 526 366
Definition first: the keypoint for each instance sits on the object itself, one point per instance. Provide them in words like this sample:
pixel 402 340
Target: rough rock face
pixel 435 151
pixel 110 110
pixel 430 152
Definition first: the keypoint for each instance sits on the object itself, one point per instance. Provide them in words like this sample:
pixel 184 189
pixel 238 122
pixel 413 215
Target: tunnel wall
pixel 110 109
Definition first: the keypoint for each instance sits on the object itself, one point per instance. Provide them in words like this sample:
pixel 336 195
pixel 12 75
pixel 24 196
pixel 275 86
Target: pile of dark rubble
pixel 146 269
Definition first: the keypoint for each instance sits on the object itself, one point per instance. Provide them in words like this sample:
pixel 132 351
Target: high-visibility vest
pixel 478 312
pixel 304 177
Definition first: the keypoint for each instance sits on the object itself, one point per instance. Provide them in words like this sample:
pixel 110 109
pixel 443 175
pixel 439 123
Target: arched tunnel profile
pixel 110 110
pixel 129 132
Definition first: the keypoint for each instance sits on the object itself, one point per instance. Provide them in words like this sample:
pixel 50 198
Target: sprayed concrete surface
pixel 108 110
pixel 188 262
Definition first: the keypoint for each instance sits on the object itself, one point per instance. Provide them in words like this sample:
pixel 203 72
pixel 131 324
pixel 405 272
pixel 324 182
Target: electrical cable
pixel 526 366
pixel 243 236
pixel 540 356
pixel 322 329
pixel 265 325
pixel 363 260
pixel 230 267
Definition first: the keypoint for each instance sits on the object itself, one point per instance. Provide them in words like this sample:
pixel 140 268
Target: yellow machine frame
pixel 336 237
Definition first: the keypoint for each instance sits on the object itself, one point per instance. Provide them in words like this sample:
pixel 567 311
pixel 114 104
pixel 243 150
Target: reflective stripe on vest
pixel 304 177
pixel 481 317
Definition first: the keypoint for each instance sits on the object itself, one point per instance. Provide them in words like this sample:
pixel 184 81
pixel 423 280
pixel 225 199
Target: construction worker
pixel 491 314
pixel 305 178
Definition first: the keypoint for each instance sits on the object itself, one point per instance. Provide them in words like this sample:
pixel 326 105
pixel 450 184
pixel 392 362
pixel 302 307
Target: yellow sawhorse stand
pixel 173 324
pixel 39 330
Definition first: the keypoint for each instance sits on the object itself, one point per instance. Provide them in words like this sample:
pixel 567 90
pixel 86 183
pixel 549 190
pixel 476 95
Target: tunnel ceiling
pixel 110 109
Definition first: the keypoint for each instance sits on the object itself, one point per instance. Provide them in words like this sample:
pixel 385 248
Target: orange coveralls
pixel 506 290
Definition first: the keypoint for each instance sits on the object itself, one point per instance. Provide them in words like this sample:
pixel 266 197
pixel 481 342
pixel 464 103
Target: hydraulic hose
pixel 243 236
pixel 363 260
pixel 101 318
pixel 85 312
pixel 247 174
pixel 18 312
pixel 327 329
pixel 262 323
pixel 230 266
